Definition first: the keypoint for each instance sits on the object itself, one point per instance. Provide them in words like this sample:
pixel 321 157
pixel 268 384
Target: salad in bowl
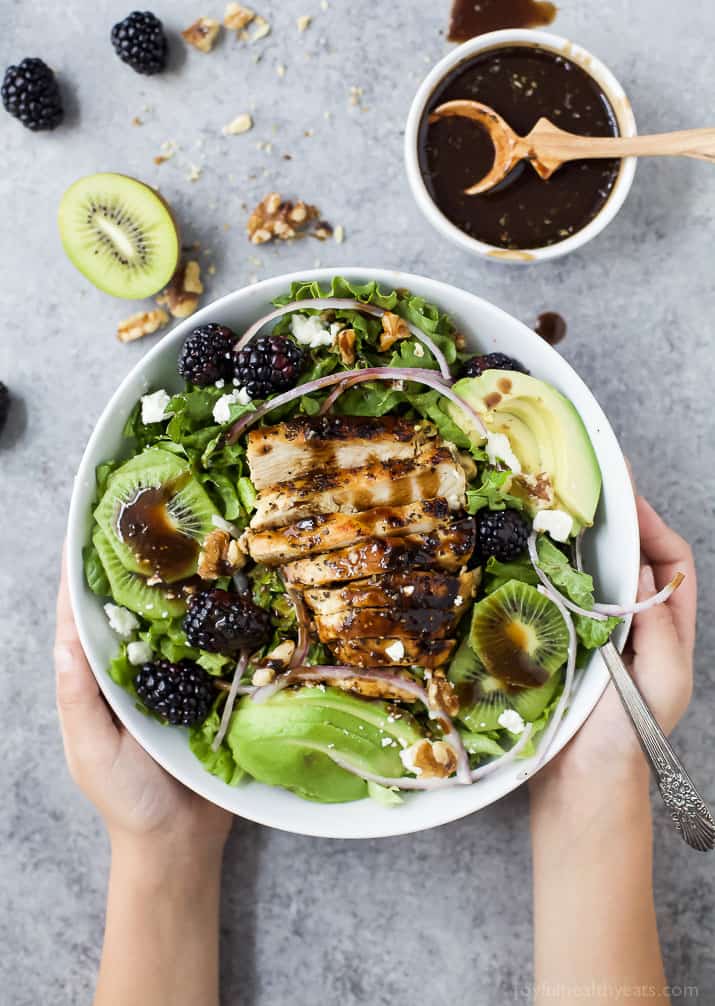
pixel 344 558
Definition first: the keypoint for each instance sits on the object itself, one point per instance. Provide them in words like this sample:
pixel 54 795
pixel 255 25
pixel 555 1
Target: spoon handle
pixel 561 146
pixel 691 816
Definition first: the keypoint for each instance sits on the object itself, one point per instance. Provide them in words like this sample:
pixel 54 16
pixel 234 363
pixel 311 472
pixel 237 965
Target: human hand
pixel 659 655
pixel 140 803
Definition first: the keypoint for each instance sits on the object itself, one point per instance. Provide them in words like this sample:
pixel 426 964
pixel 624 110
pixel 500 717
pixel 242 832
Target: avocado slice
pixel 544 430
pixel 284 741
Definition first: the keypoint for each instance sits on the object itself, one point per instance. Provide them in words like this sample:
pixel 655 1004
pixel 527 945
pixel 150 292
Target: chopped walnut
pixel 237 17
pixel 442 695
pixel 241 124
pixel 537 490
pixel 263 676
pixel 278 218
pixel 323 230
pixel 394 328
pixel 459 341
pixel 136 326
pixel 202 34
pixel 182 295
pixel 345 341
pixel 258 29
pixel 303 22
pixel 220 556
pixel 280 655
pixel 430 759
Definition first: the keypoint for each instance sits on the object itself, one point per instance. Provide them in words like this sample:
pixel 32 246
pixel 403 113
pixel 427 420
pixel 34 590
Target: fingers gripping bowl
pixel 436 548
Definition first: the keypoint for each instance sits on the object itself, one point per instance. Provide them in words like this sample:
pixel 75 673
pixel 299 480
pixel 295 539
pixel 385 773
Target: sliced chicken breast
pixel 325 532
pixel 434 623
pixel 447 549
pixel 304 444
pixel 394 651
pixel 416 589
pixel 433 472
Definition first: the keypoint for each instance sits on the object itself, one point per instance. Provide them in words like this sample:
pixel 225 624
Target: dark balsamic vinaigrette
pixel 551 327
pixel 146 526
pixel 475 17
pixel 522 83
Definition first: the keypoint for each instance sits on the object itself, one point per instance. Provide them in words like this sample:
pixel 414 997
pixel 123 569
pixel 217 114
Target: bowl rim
pixel 206 785
pixel 603 76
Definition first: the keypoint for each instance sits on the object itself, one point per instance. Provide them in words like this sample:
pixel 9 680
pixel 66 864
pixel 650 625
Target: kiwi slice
pixel 517 641
pixel 131 590
pixel 120 234
pixel 155 515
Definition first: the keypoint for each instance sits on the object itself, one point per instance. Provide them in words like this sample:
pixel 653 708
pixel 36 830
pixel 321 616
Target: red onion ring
pixel 555 594
pixel 632 609
pixel 345 304
pixel 230 701
pixel 301 614
pixel 510 755
pixel 415 374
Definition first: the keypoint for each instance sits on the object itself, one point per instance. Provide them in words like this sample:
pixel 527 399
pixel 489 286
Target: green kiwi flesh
pixel 155 514
pixel 120 234
pixel 131 590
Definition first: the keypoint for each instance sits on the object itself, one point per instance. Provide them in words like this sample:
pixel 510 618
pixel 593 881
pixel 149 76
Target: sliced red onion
pixel 577 550
pixel 345 304
pixel 415 374
pixel 301 613
pixel 551 591
pixel 620 610
pixel 561 705
pixel 230 701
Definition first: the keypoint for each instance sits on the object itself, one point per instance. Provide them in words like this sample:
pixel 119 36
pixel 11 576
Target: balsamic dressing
pixel 551 327
pixel 475 17
pixel 145 525
pixel 522 83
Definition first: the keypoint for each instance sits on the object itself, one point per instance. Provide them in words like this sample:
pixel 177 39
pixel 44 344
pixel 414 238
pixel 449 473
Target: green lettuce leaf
pixel 94 572
pixel 383 795
pixel 491 493
pixel 496 573
pixel 220 763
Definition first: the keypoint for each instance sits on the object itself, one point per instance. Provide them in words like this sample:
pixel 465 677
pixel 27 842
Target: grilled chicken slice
pixel 417 589
pixel 375 689
pixel 432 472
pixel 302 445
pixel 448 549
pixel 394 651
pixel 434 623
pixel 326 532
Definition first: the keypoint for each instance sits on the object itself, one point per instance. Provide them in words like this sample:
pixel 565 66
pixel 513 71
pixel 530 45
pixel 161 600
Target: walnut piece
pixel 442 695
pixel 394 328
pixel 182 295
pixel 136 326
pixel 241 124
pixel 345 341
pixel 430 759
pixel 263 676
pixel 219 556
pixel 279 218
pixel 202 34
pixel 280 655
pixel 237 17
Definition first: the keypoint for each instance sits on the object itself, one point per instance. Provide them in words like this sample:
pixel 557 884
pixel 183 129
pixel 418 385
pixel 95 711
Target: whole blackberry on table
pixel 180 693
pixel 476 365
pixel 4 405
pixel 501 533
pixel 225 623
pixel 267 365
pixel 140 42
pixel 30 93
pixel 207 355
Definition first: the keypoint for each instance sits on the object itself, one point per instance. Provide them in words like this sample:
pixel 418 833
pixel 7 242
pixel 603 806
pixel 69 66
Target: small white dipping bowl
pixel 611 552
pixel 497 40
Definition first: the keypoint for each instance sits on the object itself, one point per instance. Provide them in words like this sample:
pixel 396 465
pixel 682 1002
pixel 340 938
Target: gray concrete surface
pixel 444 916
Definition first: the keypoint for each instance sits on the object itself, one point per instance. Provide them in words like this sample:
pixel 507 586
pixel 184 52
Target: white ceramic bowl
pixel 493 40
pixel 611 551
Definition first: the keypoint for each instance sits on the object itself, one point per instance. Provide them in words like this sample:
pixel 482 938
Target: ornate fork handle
pixel 690 814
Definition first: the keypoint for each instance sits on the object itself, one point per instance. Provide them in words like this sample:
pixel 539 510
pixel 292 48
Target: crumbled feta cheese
pixel 499 449
pixel 220 383
pixel 511 721
pixel 310 331
pixel 458 601
pixel 121 621
pixel 558 523
pixel 242 396
pixel 396 650
pixel 154 406
pixel 222 408
pixel 408 756
pixel 139 653
pixel 385 742
pixel 419 350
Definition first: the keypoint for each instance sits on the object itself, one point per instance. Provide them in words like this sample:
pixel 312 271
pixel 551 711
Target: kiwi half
pixel 131 590
pixel 517 643
pixel 154 514
pixel 120 234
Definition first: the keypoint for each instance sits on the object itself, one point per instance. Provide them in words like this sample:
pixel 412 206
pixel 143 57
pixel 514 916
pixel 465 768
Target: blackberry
pixel 30 93
pixel 267 365
pixel 501 533
pixel 476 365
pixel 206 356
pixel 139 40
pixel 180 693
pixel 225 623
pixel 4 405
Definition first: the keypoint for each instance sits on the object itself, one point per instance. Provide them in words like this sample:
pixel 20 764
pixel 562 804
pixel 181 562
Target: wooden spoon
pixel 547 147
